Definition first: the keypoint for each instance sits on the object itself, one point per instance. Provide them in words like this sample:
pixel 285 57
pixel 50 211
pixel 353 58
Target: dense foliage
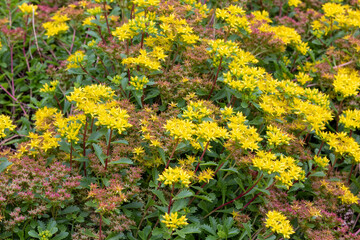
pixel 179 119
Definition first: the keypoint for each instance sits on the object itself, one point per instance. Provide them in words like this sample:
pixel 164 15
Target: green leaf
pixel 122 161
pixel 160 196
pixel 187 230
pixel 90 234
pixel 162 155
pixel 60 236
pixel 4 165
pixel 121 141
pixel 95 136
pixel 69 209
pixel 34 234
pixel 183 194
pixel 318 174
pixel 153 93
pixel 99 153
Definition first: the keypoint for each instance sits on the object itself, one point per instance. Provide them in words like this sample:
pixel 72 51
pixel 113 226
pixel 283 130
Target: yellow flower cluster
pixel 139 24
pixel 347 197
pixel 206 175
pixel 277 137
pixel 342 144
pixel 94 11
pixel 69 127
pixel 336 16
pixel 43 142
pixel 294 3
pixel 180 128
pixel 287 35
pixel 145 59
pixel 221 49
pixel 321 161
pixel 173 221
pixel 316 116
pixel 173 28
pixel 87 21
pixel 347 82
pixel 210 131
pixel 139 82
pixel 246 136
pixel 274 106
pixel 279 223
pixel 303 78
pixel 234 16
pixel 28 8
pixel 171 176
pixel 5 123
pixel 56 26
pixel 50 88
pixel 45 117
pixel 88 97
pixel 146 3
pixel 113 118
pixel 286 167
pixel 74 60
pixel 196 110
pixel 350 119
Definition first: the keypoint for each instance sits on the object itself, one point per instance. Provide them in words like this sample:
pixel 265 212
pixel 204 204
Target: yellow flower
pixel 277 137
pixel 146 3
pixel 303 78
pixel 180 128
pixel 347 197
pixel 286 167
pixel 87 21
pixel 139 150
pixel 69 127
pixel 94 11
pixel 321 161
pixel 294 3
pixel 347 82
pixel 5 123
pixel 196 110
pixel 246 136
pixel 138 83
pixel 173 222
pixel 144 60
pixel 279 223
pixel 350 119
pixel 75 59
pixel 333 9
pixel 50 88
pixel 171 176
pixel 342 144
pixel 210 131
pixel 113 118
pixel 45 117
pixel 206 175
pixel 56 26
pixel 28 8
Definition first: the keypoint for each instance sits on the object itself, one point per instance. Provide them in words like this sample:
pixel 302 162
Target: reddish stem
pixel 106 18
pixel 24 43
pixel 14 98
pixel 242 194
pixel 202 156
pixel 215 79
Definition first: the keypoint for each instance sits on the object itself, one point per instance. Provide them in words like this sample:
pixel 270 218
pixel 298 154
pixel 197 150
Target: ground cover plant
pixel 154 119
